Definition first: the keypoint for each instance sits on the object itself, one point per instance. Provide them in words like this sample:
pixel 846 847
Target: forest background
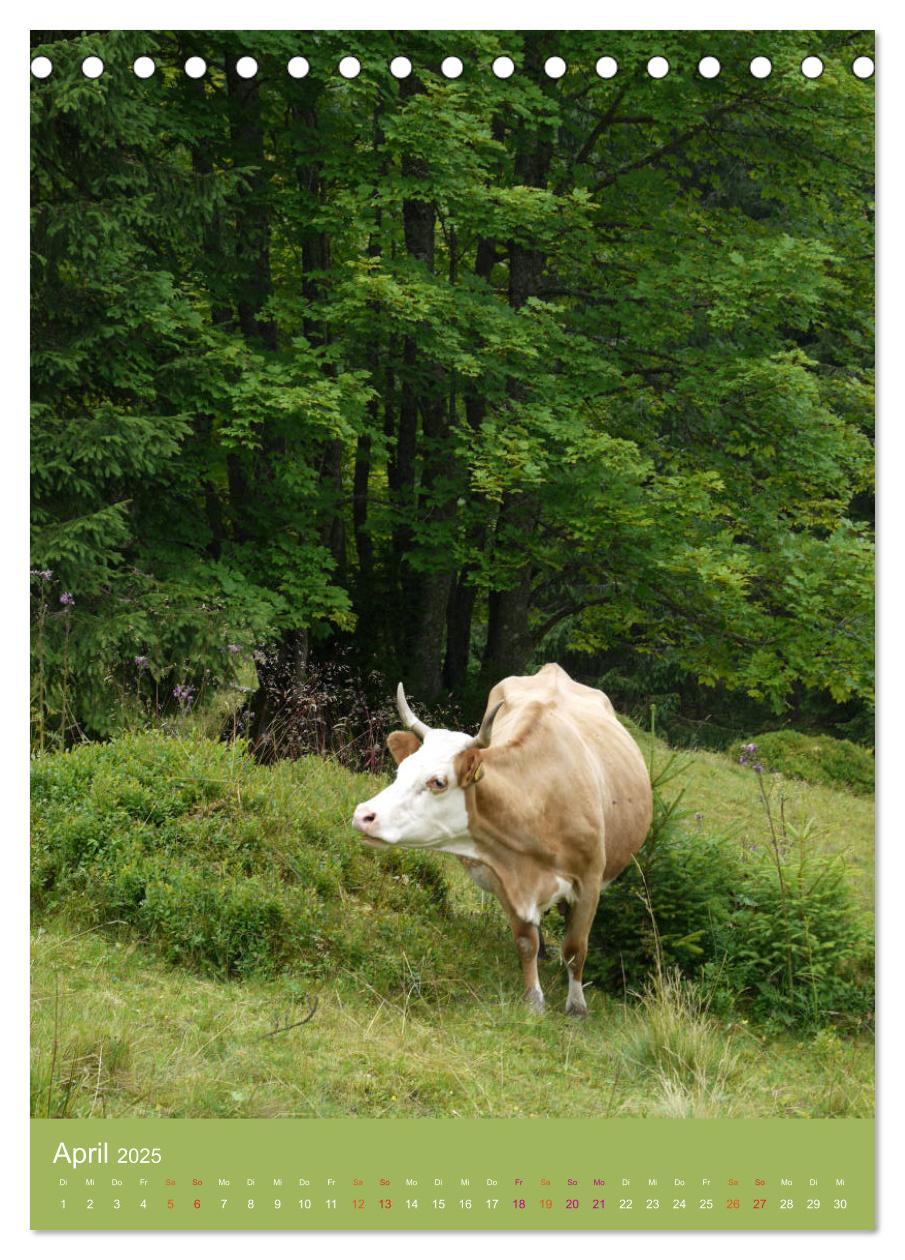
pixel 340 381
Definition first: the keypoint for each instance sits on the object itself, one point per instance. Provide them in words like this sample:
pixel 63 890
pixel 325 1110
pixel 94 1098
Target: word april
pixel 82 1154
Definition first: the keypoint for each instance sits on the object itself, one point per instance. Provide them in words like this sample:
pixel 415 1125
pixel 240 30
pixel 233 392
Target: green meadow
pixel 191 908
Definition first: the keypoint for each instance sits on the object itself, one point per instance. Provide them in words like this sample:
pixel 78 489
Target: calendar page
pixel 452 715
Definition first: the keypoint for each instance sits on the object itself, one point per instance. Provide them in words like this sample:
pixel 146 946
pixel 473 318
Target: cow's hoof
pixel 576 1011
pixel 534 999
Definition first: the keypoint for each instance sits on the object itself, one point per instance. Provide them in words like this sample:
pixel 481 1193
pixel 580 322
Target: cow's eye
pixel 438 783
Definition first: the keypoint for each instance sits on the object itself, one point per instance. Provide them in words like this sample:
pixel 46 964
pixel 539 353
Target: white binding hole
pixel 761 67
pixel 350 67
pixel 812 67
pixel 92 67
pixel 143 67
pixel 607 67
pixel 709 67
pixel 298 67
pixel 503 67
pixel 246 67
pixel 658 67
pixel 863 67
pixel 196 67
pixel 400 67
pixel 452 67
pixel 555 67
pixel 41 67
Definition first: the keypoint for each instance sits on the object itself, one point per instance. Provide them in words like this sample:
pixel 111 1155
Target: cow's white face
pixel 424 807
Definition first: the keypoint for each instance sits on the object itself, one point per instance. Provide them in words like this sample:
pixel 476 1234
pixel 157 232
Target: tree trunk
pixel 282 672
pixel 252 242
pixel 463 596
pixel 401 473
pixel 508 646
pixel 363 546
pixel 221 317
pixel 424 595
pixel 508 634
pixel 459 615
pixel 315 249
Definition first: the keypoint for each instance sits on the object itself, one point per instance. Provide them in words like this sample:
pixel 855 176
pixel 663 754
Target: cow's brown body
pixel 561 803
pixel 544 806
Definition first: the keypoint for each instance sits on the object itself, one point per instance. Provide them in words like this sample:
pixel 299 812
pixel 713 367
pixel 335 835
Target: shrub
pixel 225 865
pixel 682 883
pixel 816 759
pixel 336 710
pixel 795 954
pixel 772 931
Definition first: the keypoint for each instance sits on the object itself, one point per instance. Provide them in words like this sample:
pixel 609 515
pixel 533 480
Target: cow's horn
pixel 420 728
pixel 482 740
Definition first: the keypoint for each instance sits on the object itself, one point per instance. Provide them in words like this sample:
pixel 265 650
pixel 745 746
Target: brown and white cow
pixel 548 813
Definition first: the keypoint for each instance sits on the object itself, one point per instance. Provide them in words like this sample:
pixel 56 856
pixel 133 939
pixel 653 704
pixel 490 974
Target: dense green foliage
pixel 445 372
pixel 224 866
pixel 816 759
pixel 772 930
pixel 232 868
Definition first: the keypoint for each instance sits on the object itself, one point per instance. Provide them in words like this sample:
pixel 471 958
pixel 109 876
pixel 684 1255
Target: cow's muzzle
pixel 366 821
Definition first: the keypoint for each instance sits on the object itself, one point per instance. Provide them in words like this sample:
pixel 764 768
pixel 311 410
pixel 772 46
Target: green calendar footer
pixel 452 1174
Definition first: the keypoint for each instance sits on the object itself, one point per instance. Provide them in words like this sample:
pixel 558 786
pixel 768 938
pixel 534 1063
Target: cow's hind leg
pixel 527 942
pixel 575 948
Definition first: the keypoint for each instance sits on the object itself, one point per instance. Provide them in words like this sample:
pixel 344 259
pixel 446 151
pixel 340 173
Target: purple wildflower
pixel 141 663
pixel 67 599
pixel 748 757
pixel 44 574
pixel 184 694
pixel 233 649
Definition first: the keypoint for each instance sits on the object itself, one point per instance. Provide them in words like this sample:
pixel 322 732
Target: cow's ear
pixel 402 744
pixel 469 766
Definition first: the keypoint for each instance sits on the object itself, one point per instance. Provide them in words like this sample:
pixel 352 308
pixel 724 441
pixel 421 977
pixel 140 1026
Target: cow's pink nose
pixel 364 819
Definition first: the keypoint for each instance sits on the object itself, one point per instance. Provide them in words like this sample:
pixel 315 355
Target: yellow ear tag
pixel 479 772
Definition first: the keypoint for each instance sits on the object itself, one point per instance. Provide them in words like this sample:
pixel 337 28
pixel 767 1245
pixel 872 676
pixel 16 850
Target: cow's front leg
pixel 527 942
pixel 575 949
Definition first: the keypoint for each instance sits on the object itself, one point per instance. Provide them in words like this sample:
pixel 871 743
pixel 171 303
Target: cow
pixel 548 813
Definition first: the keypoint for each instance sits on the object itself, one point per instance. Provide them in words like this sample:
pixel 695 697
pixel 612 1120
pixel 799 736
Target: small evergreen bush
pixel 799 954
pixel 687 879
pixel 773 932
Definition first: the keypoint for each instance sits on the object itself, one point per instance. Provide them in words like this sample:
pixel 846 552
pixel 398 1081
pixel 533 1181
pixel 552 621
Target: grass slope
pixel 137 1013
pixel 117 1033
pixel 725 799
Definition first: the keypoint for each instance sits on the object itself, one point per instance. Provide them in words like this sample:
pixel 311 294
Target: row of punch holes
pixel 452 67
